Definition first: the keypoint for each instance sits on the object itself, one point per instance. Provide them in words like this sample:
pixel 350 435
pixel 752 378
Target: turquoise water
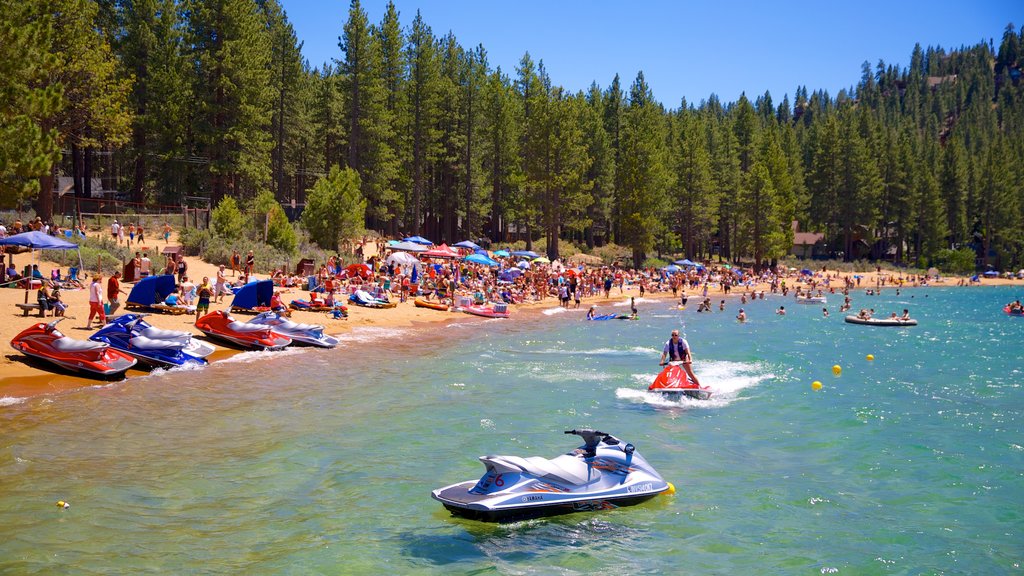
pixel 313 461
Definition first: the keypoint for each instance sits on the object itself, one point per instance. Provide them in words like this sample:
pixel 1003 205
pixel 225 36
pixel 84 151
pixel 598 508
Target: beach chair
pixel 69 234
pixel 73 274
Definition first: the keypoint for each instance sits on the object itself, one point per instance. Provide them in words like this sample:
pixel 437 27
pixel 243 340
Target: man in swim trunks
pixel 678 350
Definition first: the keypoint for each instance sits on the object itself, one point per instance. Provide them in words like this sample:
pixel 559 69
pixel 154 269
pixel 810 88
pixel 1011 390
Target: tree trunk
pixel 44 202
pixel 76 169
pixel 87 173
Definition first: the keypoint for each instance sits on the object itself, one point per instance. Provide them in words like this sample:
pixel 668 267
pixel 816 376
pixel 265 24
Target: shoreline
pixel 26 378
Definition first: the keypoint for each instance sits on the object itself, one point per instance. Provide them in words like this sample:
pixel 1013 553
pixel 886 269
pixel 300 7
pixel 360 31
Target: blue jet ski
pixel 158 348
pixel 602 474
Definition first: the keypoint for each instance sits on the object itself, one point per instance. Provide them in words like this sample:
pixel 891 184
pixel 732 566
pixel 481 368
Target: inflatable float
pixel 880 321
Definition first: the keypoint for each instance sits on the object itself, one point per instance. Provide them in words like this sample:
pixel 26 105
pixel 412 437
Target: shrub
pixel 960 262
pixel 280 233
pixel 227 220
pixel 335 208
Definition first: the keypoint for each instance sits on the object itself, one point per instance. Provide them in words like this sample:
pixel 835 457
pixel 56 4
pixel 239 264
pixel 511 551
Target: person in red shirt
pixel 113 291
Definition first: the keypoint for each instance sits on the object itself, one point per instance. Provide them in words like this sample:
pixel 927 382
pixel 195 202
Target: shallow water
pixel 314 461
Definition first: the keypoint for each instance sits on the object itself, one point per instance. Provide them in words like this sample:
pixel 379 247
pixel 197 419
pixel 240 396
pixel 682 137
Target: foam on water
pixel 256 355
pixel 10 400
pixel 638 301
pixel 370 334
pixel 560 310
pixel 633 351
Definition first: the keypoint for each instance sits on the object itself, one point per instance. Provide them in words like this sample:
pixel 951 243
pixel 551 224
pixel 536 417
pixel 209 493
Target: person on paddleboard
pixel 678 350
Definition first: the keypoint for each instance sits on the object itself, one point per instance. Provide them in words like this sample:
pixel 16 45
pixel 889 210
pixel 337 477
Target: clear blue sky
pixel 685 49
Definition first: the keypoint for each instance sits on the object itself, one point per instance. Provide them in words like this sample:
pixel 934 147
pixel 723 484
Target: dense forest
pixel 178 99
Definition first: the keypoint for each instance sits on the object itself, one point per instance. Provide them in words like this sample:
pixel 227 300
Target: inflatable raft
pixel 880 321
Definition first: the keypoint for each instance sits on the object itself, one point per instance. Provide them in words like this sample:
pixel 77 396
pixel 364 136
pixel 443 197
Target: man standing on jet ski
pixel 678 350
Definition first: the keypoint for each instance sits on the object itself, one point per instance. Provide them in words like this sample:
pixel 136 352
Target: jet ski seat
pixel 289 325
pixel 65 344
pixel 144 343
pixel 161 334
pixel 565 469
pixel 246 327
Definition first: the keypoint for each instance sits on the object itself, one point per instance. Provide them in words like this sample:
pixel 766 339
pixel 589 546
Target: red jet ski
pixel 221 325
pixel 45 342
pixel 674 381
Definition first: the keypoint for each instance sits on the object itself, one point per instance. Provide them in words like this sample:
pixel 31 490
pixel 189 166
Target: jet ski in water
pixel 602 474
pixel 310 334
pixel 675 382
pixel 220 324
pixel 157 352
pixel 45 342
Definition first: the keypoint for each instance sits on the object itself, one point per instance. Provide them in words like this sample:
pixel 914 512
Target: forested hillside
pixel 213 98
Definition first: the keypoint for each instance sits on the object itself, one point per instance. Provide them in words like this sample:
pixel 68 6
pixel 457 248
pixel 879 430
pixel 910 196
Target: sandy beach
pixel 23 377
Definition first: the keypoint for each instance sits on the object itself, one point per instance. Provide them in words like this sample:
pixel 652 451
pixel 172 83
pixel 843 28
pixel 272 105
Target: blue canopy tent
pixel 672 268
pixel 407 247
pixel 151 290
pixel 253 295
pixel 38 241
pixel 467 244
pixel 480 259
pixel 526 253
pixel 418 240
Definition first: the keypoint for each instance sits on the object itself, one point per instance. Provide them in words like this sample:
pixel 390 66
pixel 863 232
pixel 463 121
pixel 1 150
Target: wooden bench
pixel 26 308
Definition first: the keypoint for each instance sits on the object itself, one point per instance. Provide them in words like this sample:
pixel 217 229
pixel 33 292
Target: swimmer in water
pixel 742 316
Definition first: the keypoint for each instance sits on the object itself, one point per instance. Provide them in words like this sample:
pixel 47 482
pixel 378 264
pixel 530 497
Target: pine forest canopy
pixel 213 98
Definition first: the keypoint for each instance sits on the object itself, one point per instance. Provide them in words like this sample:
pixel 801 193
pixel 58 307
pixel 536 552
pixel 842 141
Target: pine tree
pixel 501 150
pixel 645 177
pixel 28 143
pixel 95 98
pixel 288 77
pixel 601 172
pixel 695 196
pixel 231 49
pixel 368 129
pixel 423 99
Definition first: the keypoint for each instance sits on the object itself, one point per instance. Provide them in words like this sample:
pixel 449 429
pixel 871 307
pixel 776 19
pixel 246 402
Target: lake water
pixel 310 461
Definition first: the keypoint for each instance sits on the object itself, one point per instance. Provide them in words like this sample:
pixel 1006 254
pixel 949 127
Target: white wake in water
pixel 633 351
pixel 254 355
pixel 10 401
pixel 725 379
pixel 638 301
pixel 560 310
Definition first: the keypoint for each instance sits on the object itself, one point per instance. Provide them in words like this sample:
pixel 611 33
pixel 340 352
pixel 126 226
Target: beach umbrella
pixel 585 259
pixel 672 268
pixel 523 265
pixel 526 254
pixel 806 272
pixel 933 271
pixel 402 258
pixel 502 254
pixel 541 260
pixel 361 270
pixel 480 259
pixel 467 244
pixel 685 262
pixel 991 273
pixel 418 240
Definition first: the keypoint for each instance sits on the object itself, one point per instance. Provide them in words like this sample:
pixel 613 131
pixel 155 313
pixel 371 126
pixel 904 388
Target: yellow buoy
pixel 671 488
pixel 870 357
pixel 837 369
pixel 63 504
pixel 816 385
